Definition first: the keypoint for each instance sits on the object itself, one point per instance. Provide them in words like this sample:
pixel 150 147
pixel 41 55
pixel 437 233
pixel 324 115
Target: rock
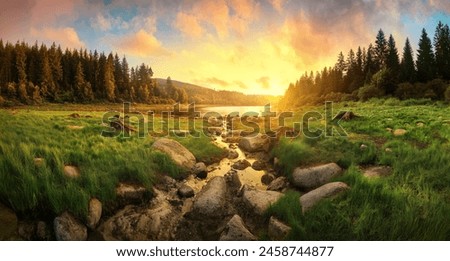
pixel 215 130
pixel 420 124
pixel 38 162
pixel 278 230
pixel 165 183
pixel 232 146
pixel 43 231
pixel 329 190
pixel 310 178
pixel 388 150
pixel 75 127
pixel 232 154
pixel 258 201
pixel 71 171
pixel 279 184
pixel 363 147
pixel 378 171
pixel 200 170
pixel 241 164
pixel 235 230
pixel 74 115
pixel 95 213
pixel 211 200
pixel 258 165
pixel 177 152
pixel 130 194
pixel 8 223
pixel 233 180
pixel 345 115
pixel 389 130
pixel 267 178
pixel 68 228
pixel 232 139
pixel 256 143
pixel 185 191
pixel 400 132
pixel 155 222
pixel 213 121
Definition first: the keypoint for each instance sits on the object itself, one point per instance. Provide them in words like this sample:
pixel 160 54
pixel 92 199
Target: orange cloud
pixel 277 4
pixel 188 24
pixel 141 44
pixel 441 5
pixel 66 37
pixel 264 82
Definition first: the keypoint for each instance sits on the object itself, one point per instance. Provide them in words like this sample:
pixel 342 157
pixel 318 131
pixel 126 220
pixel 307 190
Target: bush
pixel 438 87
pixel 447 94
pixel 369 91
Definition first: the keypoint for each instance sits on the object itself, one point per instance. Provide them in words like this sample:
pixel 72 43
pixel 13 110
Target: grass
pixel 36 190
pixel 411 204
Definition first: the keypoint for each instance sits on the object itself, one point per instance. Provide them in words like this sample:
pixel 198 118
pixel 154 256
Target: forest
pixel 378 71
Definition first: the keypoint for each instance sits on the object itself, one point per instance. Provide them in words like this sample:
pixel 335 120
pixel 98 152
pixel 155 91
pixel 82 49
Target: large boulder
pixel 310 178
pixel 157 221
pixel 255 143
pixel 186 191
pixel 329 190
pixel 177 152
pixel 95 213
pixel 68 228
pixel 235 230
pixel 279 184
pixel 378 171
pixel 200 170
pixel 131 194
pixel 241 164
pixel 259 201
pixel 277 230
pixel 211 200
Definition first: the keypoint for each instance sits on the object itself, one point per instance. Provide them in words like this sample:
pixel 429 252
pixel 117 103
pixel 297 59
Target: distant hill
pixel 203 95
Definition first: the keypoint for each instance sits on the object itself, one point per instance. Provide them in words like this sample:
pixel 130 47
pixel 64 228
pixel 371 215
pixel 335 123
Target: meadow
pixel 55 139
pixel 411 204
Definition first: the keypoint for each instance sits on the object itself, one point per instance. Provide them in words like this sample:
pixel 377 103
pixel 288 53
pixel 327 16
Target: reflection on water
pixel 225 110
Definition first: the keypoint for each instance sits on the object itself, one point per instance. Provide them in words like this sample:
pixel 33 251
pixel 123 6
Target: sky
pixel 251 46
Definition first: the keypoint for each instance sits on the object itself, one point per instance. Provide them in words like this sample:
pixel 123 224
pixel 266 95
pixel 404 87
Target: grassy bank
pixel 411 204
pixel 34 189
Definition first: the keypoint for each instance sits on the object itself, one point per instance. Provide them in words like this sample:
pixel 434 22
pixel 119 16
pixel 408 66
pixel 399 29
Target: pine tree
pixel 369 65
pixel 126 78
pixel 392 61
pixel 442 50
pixel 109 82
pixel 380 51
pixel 426 69
pixel 407 68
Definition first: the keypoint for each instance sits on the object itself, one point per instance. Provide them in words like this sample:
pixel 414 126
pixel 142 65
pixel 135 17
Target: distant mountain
pixel 203 95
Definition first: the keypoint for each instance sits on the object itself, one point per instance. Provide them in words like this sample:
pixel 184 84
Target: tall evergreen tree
pixel 109 82
pixel 407 68
pixel 426 67
pixel 392 61
pixel 380 51
pixel 442 50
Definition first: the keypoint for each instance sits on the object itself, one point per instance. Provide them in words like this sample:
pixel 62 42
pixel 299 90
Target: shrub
pixel 447 94
pixel 369 91
pixel 438 86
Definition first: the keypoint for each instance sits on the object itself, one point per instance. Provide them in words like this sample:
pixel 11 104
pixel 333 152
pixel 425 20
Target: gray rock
pixel 185 191
pixel 233 180
pixel 258 201
pixel 235 230
pixel 177 152
pixel 267 178
pixel 310 178
pixel 200 170
pixel 363 147
pixel 400 132
pixel 156 222
pixel 211 200
pixel 279 184
pixel 95 213
pixel 258 165
pixel 241 164
pixel 72 171
pixel 232 154
pixel 278 230
pixel 255 143
pixel 130 193
pixel 378 171
pixel 329 190
pixel 68 228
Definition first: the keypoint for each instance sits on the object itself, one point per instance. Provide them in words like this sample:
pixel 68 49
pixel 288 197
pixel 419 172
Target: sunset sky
pixel 253 46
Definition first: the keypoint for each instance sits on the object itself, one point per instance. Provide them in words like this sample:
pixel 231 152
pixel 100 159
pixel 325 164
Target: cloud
pixel 188 24
pixel 142 44
pixel 277 5
pixel 216 81
pixel 101 22
pixel 67 37
pixel 240 84
pixel 443 5
pixel 264 82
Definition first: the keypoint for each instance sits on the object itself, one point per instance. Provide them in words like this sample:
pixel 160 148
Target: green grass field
pixel 411 204
pixel 42 189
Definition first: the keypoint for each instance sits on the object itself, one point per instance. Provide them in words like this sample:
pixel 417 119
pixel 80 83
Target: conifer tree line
pixel 37 73
pixel 378 71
